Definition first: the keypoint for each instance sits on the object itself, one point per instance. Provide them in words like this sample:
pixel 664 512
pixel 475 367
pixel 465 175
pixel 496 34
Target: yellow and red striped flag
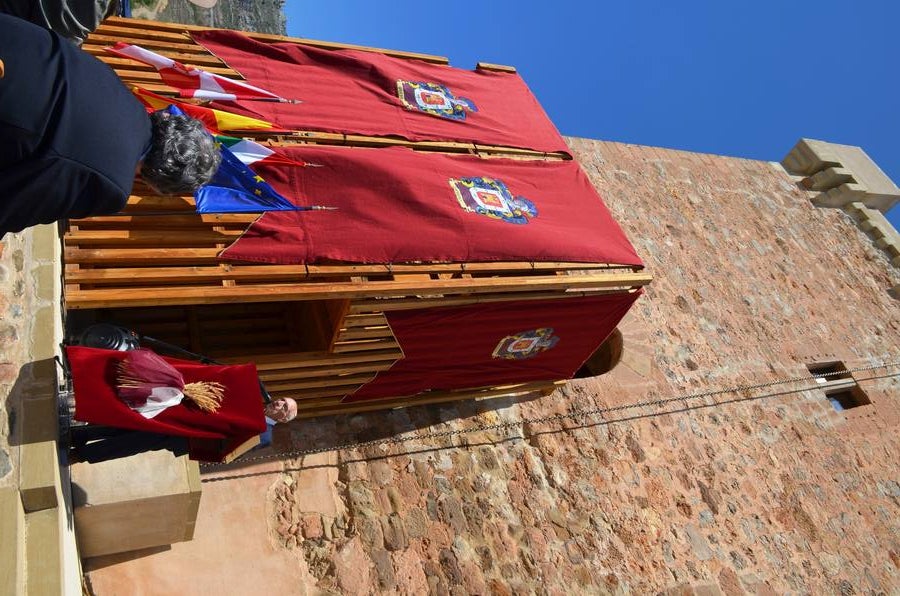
pixel 216 121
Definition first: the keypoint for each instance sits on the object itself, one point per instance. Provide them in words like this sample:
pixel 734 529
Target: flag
pixel 235 188
pixel 215 121
pixel 250 152
pixel 194 82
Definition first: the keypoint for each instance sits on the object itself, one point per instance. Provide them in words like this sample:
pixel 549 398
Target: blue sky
pixel 745 79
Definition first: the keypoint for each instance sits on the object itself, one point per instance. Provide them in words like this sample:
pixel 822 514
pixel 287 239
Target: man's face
pixel 283 409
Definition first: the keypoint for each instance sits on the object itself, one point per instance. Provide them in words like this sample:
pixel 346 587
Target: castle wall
pixel 759 491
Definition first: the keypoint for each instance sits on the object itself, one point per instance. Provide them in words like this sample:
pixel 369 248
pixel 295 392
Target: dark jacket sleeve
pixel 30 193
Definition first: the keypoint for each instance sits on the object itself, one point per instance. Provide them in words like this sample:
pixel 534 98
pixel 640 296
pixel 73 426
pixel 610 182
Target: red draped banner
pixel 359 92
pixel 239 418
pixel 483 345
pixel 395 205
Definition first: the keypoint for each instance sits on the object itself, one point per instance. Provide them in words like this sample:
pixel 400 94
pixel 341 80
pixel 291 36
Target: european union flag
pixel 236 188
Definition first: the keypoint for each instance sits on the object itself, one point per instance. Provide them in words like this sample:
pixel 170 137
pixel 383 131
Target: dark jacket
pixel 72 133
pixel 73 19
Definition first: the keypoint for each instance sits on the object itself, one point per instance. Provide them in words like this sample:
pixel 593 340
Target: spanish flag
pixel 216 121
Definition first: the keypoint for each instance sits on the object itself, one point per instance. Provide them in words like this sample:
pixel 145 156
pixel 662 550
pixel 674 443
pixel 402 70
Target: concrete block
pixel 39 475
pixel 128 504
pixel 45 242
pixel 44 338
pixel 47 281
pixel 12 546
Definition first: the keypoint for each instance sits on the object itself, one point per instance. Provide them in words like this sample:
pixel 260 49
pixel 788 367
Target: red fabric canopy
pixel 239 419
pixel 359 92
pixel 482 345
pixel 397 205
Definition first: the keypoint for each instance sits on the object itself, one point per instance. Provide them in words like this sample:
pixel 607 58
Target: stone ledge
pixel 876 225
pixel 841 174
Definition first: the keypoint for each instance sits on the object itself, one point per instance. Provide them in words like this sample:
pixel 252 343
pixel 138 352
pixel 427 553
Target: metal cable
pixel 559 417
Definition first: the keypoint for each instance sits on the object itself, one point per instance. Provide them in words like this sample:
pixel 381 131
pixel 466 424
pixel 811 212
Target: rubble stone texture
pixel 16 295
pixel 764 491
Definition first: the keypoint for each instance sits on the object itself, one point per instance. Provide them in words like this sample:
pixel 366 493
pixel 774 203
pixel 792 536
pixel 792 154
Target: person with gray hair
pixel 182 155
pixel 74 136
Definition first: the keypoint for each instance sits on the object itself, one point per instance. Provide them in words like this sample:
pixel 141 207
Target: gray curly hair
pixel 182 156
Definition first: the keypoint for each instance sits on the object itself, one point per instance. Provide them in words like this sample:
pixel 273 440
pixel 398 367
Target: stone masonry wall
pixel 29 330
pixel 747 492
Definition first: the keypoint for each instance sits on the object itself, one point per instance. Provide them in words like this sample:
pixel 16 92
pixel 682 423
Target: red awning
pixel 359 92
pixel 483 345
pixel 395 205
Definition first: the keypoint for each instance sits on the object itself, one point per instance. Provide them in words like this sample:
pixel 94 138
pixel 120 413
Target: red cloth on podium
pixel 396 205
pixel 215 434
pixel 357 92
pixel 496 343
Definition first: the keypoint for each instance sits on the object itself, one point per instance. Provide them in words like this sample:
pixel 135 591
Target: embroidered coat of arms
pixel 491 197
pixel 526 344
pixel 434 99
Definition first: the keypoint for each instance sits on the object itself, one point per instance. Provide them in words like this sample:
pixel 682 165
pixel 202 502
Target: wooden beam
pixel 145 25
pixel 495 67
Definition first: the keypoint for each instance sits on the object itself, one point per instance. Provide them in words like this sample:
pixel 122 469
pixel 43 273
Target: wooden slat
pixel 365 333
pixel 127 256
pixel 284 361
pixel 392 304
pixel 123 66
pixel 159 46
pixel 360 345
pixel 330 371
pixel 131 297
pixel 111 28
pixel 167 222
pixel 352 321
pixel 205 61
pixel 330 382
pixel 85 238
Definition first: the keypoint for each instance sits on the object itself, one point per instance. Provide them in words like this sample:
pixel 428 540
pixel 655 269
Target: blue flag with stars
pixel 235 188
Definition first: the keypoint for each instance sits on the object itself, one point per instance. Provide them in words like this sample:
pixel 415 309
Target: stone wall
pixel 752 491
pixel 261 16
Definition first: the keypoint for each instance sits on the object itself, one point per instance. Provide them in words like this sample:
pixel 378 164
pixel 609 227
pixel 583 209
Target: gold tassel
pixel 207 395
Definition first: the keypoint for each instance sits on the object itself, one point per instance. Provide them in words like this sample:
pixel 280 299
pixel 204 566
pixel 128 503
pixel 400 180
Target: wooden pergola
pixel 316 332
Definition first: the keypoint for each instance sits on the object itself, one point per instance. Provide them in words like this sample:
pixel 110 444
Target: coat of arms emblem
pixel 434 99
pixel 491 197
pixel 526 344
